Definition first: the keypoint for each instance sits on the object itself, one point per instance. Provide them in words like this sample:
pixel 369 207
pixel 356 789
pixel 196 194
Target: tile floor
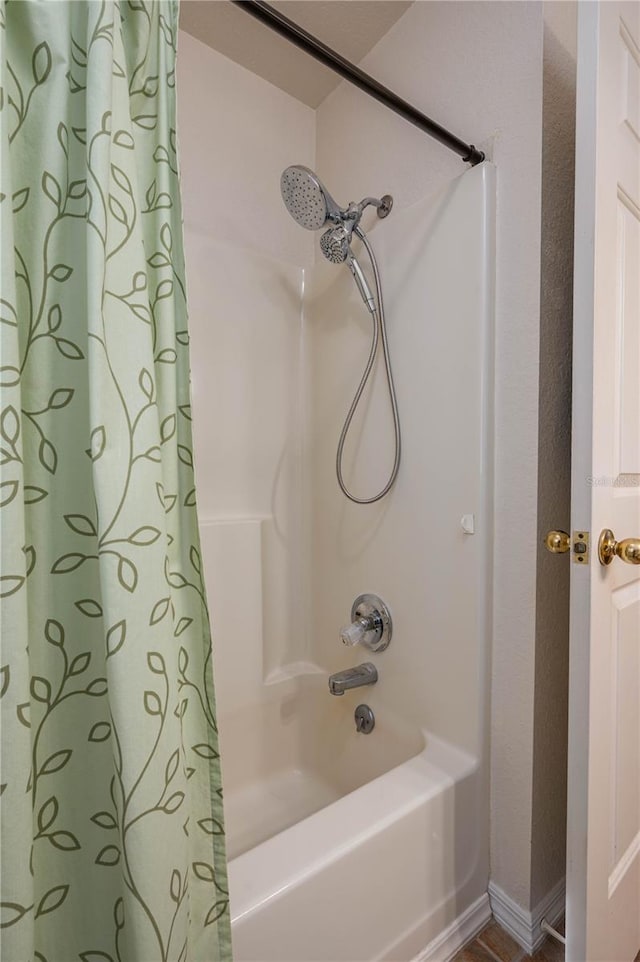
pixel 493 944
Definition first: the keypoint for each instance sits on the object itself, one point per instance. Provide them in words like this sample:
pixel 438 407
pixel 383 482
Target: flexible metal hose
pixel 379 330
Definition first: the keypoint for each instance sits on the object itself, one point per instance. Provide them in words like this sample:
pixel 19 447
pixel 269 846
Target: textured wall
pixel 548 834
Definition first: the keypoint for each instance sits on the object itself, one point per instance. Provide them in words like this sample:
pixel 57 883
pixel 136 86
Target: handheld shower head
pixel 306 198
pixel 334 244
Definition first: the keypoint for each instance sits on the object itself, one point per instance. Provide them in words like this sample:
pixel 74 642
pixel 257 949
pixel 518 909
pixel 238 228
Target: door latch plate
pixel 580 547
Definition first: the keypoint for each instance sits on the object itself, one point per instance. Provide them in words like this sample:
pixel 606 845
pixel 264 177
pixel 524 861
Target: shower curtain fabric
pixel 112 828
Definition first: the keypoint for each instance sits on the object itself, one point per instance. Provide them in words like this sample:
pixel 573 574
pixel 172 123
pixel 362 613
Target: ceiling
pixel 351 27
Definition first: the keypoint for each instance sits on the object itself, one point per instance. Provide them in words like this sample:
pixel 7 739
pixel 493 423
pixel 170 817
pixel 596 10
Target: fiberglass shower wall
pixel 285 553
pixel 426 548
pixel 245 267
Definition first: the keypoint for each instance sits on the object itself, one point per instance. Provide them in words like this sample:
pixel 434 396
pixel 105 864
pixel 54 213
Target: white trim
pixel 522 925
pixel 462 930
pixel 624 865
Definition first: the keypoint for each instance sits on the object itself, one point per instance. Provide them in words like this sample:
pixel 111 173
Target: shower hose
pixel 379 331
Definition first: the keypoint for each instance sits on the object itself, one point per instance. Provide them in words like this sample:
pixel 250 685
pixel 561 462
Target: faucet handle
pixel 370 624
pixel 356 632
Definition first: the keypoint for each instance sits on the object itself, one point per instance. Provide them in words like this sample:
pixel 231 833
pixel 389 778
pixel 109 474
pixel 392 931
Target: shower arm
pixel 290 30
pixel 350 216
pixel 382 205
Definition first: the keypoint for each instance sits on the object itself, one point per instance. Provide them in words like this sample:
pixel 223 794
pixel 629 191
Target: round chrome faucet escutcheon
pixel 371 624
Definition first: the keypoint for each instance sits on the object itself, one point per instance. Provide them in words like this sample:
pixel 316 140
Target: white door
pixel 603 856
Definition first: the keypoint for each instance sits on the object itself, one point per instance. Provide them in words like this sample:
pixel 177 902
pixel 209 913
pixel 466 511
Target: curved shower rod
pixel 301 38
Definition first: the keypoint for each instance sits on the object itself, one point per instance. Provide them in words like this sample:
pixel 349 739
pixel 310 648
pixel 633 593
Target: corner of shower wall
pixel 246 366
pixel 289 632
pixel 245 267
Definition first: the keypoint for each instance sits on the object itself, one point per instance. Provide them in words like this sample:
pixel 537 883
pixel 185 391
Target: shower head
pixel 334 244
pixel 311 205
pixel 306 198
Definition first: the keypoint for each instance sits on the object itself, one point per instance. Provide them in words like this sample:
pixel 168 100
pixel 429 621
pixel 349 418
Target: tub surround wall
pixel 436 262
pixel 245 273
pixel 296 752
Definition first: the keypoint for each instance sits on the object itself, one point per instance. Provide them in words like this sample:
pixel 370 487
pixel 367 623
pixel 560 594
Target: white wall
pixel 477 68
pixel 245 260
pixel 237 134
pixel 436 258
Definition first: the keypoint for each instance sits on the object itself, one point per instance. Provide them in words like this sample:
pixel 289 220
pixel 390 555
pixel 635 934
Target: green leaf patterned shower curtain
pixel 112 833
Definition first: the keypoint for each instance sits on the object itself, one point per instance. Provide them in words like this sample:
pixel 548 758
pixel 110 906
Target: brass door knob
pixel 627 550
pixel 557 542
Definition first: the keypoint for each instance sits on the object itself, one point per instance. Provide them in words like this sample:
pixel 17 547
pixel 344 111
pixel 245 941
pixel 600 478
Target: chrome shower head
pixel 334 244
pixel 311 206
pixel 306 198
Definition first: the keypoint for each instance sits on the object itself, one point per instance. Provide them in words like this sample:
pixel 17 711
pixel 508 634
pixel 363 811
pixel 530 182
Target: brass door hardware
pixel 627 550
pixel 559 542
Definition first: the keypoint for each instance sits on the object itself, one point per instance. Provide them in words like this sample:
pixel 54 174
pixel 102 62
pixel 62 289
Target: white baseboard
pixel 522 925
pixel 461 931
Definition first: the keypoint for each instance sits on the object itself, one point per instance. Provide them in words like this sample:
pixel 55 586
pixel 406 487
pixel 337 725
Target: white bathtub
pixel 346 847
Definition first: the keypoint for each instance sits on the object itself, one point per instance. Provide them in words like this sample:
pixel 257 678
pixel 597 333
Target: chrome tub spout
pixel 365 674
